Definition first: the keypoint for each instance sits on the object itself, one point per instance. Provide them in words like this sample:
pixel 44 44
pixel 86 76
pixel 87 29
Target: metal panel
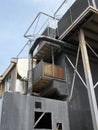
pixel 49 32
pixel 48 70
pixel 78 7
pixel 64 23
pixel 38 71
pixel 50 80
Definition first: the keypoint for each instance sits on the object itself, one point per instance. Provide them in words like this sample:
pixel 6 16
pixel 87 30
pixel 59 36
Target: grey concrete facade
pixel 22 112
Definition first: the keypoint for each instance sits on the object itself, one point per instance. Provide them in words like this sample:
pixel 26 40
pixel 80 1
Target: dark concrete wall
pixel 78 107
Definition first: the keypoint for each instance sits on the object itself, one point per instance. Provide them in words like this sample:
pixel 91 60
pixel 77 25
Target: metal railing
pixel 39 24
pixel 63 8
pixel 42 21
pixel 37 27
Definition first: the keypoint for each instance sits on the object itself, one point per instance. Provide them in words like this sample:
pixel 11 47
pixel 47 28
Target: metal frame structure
pixel 36 21
pixel 89 80
pixel 60 7
pixel 88 76
pixel 31 37
pixel 82 46
pixel 86 65
pixel 85 59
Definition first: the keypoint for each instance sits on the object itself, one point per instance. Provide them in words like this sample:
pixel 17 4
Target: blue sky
pixel 15 17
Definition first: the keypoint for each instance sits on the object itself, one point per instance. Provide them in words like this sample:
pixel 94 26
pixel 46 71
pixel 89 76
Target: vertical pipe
pixel 89 81
pixel 52 60
pixel 30 74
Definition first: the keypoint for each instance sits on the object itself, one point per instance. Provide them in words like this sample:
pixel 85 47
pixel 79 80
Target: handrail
pixel 25 35
pixel 59 7
pixel 68 4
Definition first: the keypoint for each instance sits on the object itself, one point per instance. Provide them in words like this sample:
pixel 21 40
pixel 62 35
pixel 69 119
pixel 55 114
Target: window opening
pixel 38 105
pixel 43 120
pixel 59 126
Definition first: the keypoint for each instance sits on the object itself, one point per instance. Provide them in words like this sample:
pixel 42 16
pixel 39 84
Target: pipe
pixel 47 39
pixel 30 74
pixel 53 42
pixel 59 7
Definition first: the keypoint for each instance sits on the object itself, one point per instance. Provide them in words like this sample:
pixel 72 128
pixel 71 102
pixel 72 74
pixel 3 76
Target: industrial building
pixel 60 74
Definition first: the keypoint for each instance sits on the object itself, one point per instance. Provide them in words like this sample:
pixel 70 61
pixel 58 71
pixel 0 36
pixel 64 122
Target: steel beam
pixel 89 80
pixel 39 119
